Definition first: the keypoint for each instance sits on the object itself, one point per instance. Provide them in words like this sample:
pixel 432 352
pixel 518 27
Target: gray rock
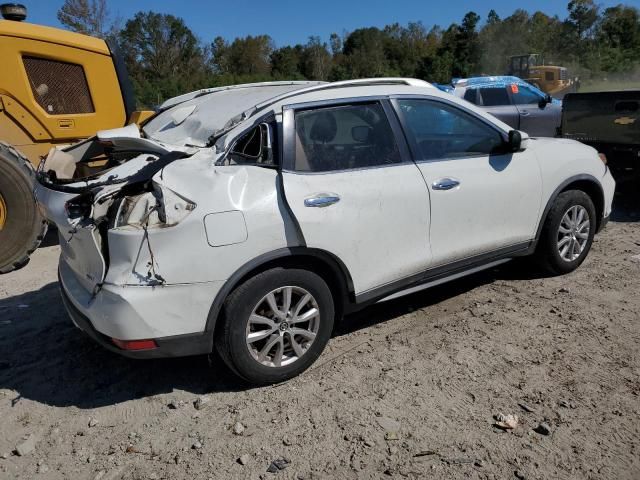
pixel 286 440
pixel 176 404
pixel 278 464
pixel 244 459
pixel 197 445
pixel 93 422
pixel 26 447
pixel 4 455
pixel 543 429
pixel 42 468
pixel 388 424
pixel 238 428
pixel 202 402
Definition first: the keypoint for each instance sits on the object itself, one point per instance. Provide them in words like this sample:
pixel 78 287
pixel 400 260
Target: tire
pixel 553 241
pixel 24 227
pixel 231 337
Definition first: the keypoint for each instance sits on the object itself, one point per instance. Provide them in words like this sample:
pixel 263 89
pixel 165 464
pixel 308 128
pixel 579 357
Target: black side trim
pixel 460 266
pixel 337 266
pixel 555 194
pixel 128 97
pixel 176 346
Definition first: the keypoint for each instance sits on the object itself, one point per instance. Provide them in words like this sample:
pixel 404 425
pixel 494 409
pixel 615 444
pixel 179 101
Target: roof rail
pixel 319 86
pixel 412 82
pixel 359 82
pixel 172 102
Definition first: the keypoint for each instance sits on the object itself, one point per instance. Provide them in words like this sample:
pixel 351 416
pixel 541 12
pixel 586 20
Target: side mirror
pixel 545 101
pixel 515 141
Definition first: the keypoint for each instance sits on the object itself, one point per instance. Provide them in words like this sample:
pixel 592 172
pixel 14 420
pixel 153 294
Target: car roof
pixel 192 118
pixel 495 81
pixel 198 118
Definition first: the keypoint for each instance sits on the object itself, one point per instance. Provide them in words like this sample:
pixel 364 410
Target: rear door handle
pixel 445 184
pixel 322 200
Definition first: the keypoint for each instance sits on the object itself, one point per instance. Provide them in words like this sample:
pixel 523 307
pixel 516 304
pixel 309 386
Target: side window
pixel 60 88
pixel 254 147
pixel 494 96
pixel 443 132
pixel 471 95
pixel 549 76
pixel 524 96
pixel 344 137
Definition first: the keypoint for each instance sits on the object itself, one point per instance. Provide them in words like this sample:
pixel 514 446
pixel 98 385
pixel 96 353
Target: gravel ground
pixel 406 389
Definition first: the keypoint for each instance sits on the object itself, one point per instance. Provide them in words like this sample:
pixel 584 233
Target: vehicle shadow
pixel 626 202
pixel 45 358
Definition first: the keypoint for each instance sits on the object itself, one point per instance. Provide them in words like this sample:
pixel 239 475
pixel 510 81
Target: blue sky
pixel 289 22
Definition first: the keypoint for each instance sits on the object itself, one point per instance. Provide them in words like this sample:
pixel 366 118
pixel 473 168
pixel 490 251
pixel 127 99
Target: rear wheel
pixel 21 225
pixel 567 233
pixel 276 325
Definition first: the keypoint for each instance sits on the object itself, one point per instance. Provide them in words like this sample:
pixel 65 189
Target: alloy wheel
pixel 282 326
pixel 573 233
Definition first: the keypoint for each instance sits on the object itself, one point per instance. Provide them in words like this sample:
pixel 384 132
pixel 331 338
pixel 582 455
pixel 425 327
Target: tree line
pixel 165 58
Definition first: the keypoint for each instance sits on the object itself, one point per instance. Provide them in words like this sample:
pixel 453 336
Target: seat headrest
pixel 324 129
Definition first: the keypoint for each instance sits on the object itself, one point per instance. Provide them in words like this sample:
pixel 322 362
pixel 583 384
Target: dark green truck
pixel 609 122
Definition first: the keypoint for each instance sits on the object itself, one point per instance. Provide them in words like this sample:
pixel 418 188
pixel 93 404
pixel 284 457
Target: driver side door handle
pixel 445 184
pixel 322 200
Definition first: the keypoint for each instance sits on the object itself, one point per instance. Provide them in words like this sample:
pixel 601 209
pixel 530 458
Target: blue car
pixel 514 101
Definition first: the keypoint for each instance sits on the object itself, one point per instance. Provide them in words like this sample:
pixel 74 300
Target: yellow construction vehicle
pixel 550 79
pixel 56 87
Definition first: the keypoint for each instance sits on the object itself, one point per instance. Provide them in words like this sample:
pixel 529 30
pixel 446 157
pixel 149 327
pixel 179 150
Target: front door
pixel 355 192
pixel 537 118
pixel 482 200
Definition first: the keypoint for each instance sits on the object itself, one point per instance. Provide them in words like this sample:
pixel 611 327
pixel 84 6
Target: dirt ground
pixel 406 389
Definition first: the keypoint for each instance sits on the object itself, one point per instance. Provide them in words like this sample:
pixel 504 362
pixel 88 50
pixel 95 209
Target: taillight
pixel 135 344
pixel 80 206
pixel 603 157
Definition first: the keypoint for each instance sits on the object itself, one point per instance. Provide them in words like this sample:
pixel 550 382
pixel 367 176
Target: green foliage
pixel 165 58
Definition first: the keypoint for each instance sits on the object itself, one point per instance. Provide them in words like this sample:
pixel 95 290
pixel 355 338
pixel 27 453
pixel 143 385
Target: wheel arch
pixel 328 266
pixel 586 183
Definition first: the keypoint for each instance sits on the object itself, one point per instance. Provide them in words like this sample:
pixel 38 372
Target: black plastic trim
pixel 557 191
pixel 128 95
pixel 442 271
pixel 338 267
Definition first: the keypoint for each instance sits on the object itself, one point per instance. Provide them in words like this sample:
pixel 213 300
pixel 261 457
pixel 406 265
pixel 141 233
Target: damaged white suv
pixel 249 219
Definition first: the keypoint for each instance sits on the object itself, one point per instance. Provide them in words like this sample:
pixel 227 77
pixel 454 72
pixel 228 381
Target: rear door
pixel 354 191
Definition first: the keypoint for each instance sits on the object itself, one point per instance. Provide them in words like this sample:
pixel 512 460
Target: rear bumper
pixel 174 316
pixel 178 346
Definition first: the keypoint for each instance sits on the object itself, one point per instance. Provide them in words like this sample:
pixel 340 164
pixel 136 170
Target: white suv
pixel 250 219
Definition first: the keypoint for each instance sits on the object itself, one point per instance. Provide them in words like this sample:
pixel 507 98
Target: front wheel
pixel 276 325
pixel 567 233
